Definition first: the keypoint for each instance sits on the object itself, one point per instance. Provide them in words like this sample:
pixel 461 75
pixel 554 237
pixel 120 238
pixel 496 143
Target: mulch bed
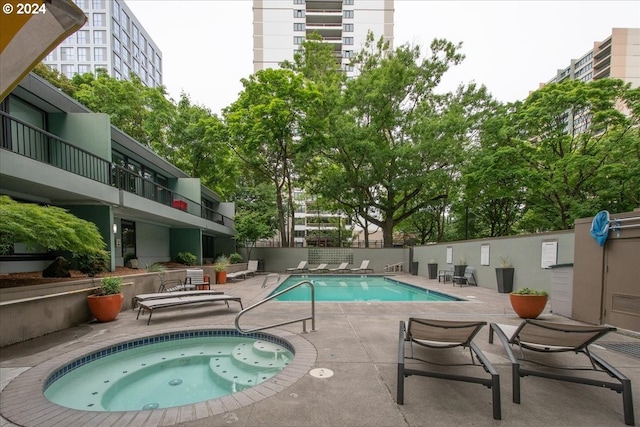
pixel 12 280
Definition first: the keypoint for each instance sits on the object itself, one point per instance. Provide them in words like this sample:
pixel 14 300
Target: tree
pixel 579 141
pixel 396 145
pixel 48 226
pixel 264 125
pixel 255 214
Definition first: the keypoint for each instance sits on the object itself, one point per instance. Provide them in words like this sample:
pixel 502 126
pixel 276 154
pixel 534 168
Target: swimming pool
pixel 167 371
pixel 358 289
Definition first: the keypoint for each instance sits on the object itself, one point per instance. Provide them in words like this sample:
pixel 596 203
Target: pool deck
pixel 357 342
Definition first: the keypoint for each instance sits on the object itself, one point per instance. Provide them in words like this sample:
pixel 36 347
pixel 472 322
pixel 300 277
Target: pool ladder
pixel 312 317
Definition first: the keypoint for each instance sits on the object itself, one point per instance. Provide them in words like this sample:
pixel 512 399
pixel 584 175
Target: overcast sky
pixel 510 46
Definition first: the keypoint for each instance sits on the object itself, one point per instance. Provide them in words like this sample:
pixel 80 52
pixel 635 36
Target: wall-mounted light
pixel 115 228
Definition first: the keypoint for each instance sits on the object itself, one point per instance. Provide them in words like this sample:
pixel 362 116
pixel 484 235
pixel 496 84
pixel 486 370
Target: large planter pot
pixel 528 306
pixel 105 308
pixel 458 270
pixel 221 277
pixel 433 270
pixel 504 277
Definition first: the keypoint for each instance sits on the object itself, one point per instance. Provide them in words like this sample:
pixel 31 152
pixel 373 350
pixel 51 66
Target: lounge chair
pixel 364 267
pixel 445 275
pixel 392 268
pixel 469 278
pixel 301 267
pixel 548 337
pixel 156 304
pixel 440 335
pixel 252 268
pixel 165 295
pixel 321 268
pixel 342 268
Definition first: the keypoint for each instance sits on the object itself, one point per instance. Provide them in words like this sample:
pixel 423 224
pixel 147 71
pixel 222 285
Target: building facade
pixel 112 39
pixel 54 151
pixel 280 27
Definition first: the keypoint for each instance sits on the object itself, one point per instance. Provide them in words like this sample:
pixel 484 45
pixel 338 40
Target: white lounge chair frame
pixel 301 267
pixel 342 268
pixel 321 268
pixel 252 268
pixel 159 303
pixel 364 267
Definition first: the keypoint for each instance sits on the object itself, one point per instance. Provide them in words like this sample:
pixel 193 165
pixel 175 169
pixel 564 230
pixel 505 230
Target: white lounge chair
pixel 342 268
pixel 166 295
pixel 301 267
pixel 252 268
pixel 364 267
pixel 321 268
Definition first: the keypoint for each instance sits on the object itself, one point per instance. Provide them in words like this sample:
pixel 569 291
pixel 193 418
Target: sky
pixel 510 46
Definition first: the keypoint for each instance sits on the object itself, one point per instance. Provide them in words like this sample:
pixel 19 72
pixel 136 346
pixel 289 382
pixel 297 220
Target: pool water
pixel 358 288
pixel 167 374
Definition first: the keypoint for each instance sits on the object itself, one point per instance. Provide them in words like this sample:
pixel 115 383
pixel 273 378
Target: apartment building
pixel 280 27
pixel 112 39
pixel 54 151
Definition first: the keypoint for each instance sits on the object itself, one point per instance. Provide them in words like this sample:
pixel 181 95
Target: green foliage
pixel 186 258
pixel 110 285
pixel 235 258
pixel 48 226
pixel 93 263
pixel 56 78
pixel 156 267
pixel 529 291
pixel 221 263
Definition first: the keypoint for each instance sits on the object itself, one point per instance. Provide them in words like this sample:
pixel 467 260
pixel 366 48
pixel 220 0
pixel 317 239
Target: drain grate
pixel 630 349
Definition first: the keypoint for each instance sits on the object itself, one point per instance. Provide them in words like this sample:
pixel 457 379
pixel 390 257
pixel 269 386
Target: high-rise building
pixel 112 39
pixel 280 27
pixel 617 56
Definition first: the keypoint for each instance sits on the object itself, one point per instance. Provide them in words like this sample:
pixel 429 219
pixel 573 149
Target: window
pixel 348 2
pixel 298 1
pixel 126 55
pixel 99 37
pixel 84 68
pixel 128 236
pixel 68 70
pixel 347 13
pixel 348 28
pixel 298 40
pixel 83 36
pixel 82 4
pixel 298 13
pixel 347 40
pixel 52 56
pixel 98 4
pixel 100 67
pixel 125 20
pixel 99 54
pixel 67 54
pixel 298 26
pixel 136 34
pixel 347 68
pixel 99 20
pixel 83 54
pixel 117 62
pixel 116 45
pixel 347 53
pixel 116 9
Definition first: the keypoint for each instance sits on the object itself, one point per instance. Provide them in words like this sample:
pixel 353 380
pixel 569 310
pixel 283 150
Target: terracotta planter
pixel 221 277
pixel 105 308
pixel 528 306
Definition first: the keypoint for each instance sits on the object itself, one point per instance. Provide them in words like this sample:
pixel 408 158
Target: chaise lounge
pixel 175 301
pixel 538 336
pixel 442 335
pixel 252 268
pixel 364 267
pixel 300 268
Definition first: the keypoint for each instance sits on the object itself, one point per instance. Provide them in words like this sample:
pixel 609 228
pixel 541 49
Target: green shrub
pixel 529 291
pixel 186 258
pixel 235 258
pixel 111 285
pixel 94 263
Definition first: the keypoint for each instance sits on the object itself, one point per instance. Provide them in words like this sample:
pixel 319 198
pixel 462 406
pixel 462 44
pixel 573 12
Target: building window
pixel 83 37
pixel 83 54
pixel 117 62
pixel 347 40
pixel 82 4
pixel 51 57
pixel 67 54
pixel 347 28
pixel 84 68
pixel 298 40
pixel 99 54
pixel 99 20
pixel 298 13
pixel 347 13
pixel 99 37
pixel 348 2
pixel 128 236
pixel 348 68
pixel 125 20
pixel 116 9
pixel 116 45
pixel 298 1
pixel 298 26
pixel 98 4
pixel 68 70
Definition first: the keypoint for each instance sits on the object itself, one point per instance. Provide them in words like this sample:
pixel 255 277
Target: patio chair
pixel 342 268
pixel 469 278
pixel 446 274
pixel 252 268
pixel 440 335
pixel 364 267
pixel 550 338
pixel 321 268
pixel 301 267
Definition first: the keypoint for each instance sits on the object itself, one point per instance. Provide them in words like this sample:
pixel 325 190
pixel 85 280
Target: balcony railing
pixel 26 140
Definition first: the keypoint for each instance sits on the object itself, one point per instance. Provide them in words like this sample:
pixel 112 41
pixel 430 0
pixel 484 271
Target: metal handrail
pixel 302 319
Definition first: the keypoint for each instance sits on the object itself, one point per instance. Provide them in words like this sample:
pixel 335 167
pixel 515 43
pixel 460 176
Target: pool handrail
pixel 302 319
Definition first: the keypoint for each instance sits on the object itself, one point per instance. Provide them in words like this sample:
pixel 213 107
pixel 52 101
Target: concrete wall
pixel 153 243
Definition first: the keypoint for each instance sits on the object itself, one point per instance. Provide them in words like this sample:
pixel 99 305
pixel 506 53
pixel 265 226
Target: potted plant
pixel 106 302
pixel 220 267
pixel 504 276
pixel 528 303
pixel 433 269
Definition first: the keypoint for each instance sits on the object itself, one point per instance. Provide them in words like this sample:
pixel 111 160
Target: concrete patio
pixel 358 343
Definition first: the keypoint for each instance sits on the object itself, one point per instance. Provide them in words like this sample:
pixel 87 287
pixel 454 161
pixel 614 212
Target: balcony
pixel 26 140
